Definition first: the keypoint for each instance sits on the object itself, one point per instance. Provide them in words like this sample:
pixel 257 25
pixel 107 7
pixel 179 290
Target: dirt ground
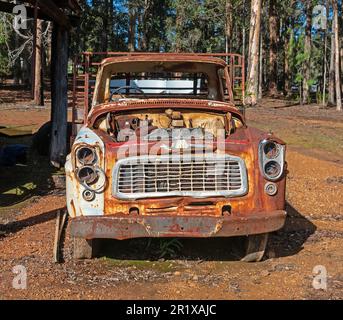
pixel 195 269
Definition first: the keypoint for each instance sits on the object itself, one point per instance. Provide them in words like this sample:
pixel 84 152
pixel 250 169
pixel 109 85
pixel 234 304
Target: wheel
pixel 256 246
pixel 84 248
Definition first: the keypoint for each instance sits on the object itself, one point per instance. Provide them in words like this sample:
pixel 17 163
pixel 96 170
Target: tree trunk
pixel 111 31
pixel 260 77
pixel 17 72
pixel 244 33
pixel 228 25
pixel 289 52
pixel 325 57
pixel 337 57
pixel 332 97
pixel 132 28
pixel 253 55
pixel 288 56
pixel 146 29
pixel 140 39
pixel 178 28
pixel 48 50
pixel 37 89
pixel 105 23
pixel 273 35
pixel 307 51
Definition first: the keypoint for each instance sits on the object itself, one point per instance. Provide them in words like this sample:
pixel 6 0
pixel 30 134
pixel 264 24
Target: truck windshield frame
pixel 160 79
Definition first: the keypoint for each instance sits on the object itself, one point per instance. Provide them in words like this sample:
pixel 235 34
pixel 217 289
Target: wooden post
pixel 59 95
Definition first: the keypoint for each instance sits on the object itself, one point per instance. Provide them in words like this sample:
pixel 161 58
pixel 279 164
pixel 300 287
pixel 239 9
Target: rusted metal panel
pixel 189 104
pixel 122 227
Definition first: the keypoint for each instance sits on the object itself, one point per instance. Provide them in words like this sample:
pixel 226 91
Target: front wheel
pixel 255 247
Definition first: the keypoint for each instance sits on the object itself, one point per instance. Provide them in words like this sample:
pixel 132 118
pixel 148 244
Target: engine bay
pixel 160 124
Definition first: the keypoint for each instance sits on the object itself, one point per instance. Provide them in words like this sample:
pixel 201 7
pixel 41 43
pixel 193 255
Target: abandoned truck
pixel 164 152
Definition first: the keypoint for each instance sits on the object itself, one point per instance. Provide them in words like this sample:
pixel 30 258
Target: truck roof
pixel 165 57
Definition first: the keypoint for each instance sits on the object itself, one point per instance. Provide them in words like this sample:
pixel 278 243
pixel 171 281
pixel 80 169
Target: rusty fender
pixel 125 227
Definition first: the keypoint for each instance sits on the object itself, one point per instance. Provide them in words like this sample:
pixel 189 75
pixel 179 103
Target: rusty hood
pixel 136 104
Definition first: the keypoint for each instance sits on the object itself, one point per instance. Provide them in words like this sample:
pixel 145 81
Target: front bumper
pixel 127 227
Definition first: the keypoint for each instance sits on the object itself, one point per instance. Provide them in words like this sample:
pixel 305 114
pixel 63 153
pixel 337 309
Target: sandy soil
pixel 201 269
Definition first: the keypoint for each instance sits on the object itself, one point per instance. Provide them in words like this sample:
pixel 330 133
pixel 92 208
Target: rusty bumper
pixel 126 227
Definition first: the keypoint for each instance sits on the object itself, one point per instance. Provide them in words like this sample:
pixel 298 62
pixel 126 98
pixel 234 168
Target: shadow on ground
pixel 34 177
pixel 286 242
pixel 23 181
pixel 291 238
pixel 16 226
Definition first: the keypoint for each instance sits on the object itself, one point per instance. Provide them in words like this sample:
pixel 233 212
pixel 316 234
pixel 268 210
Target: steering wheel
pixel 115 91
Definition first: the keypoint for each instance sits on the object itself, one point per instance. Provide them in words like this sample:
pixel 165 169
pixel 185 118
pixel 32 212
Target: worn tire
pixel 255 248
pixel 83 248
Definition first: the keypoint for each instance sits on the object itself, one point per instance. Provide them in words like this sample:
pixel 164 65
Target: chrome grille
pixel 196 176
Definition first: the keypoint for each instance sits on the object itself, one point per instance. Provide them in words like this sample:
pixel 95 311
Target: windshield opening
pixel 158 84
pixel 158 79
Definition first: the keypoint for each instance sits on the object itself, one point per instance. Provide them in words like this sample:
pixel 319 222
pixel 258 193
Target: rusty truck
pixel 161 148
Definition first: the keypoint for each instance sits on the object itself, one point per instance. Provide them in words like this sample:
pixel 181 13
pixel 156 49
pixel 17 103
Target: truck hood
pixel 132 104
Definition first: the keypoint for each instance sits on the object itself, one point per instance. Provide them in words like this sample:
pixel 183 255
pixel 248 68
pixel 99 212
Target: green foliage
pixel 169 247
pixel 198 26
pixel 4 69
pixel 300 58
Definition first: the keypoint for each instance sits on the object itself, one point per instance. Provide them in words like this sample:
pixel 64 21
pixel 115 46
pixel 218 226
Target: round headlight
pixel 272 169
pixel 86 155
pixel 271 150
pixel 87 175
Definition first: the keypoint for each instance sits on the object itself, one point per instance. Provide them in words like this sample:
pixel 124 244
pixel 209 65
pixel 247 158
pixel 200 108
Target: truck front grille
pixel 195 176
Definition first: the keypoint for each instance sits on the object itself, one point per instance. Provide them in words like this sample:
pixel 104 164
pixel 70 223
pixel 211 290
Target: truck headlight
pixel 272 169
pixel 271 149
pixel 88 171
pixel 87 175
pixel 86 155
pixel 272 159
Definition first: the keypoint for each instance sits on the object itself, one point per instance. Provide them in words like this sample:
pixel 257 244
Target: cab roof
pixel 164 57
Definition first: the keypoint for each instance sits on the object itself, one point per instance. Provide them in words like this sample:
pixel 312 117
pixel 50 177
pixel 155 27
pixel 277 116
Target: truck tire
pixel 84 248
pixel 255 247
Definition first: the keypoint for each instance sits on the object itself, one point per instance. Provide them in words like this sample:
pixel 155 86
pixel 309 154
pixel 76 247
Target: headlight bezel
pixel 279 158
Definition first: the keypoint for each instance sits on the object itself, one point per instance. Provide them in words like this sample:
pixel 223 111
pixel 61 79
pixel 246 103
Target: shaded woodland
pixel 293 48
